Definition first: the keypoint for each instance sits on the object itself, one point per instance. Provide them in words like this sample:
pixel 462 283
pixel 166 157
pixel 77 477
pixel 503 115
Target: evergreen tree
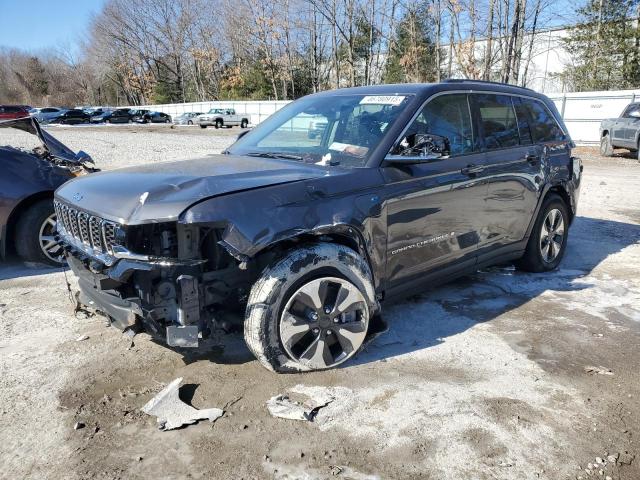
pixel 605 47
pixel 412 54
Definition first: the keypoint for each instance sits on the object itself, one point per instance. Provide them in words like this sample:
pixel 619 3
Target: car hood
pixel 53 146
pixel 161 192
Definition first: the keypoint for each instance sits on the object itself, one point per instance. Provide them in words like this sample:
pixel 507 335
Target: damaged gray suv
pixel 300 238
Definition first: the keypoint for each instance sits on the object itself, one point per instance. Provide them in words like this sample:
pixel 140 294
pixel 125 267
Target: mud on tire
pixel 277 284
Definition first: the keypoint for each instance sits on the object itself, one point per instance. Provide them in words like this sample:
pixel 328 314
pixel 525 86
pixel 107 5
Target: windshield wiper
pixel 286 156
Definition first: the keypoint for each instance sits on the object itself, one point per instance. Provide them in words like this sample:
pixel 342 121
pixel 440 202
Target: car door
pixel 619 128
pixel 512 168
pixel 631 125
pixel 434 208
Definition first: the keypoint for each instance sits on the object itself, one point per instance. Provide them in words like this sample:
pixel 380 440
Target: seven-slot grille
pixel 92 231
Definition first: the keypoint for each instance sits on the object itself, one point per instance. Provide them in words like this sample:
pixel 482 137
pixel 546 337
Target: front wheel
pixel 548 240
pixel 606 149
pixel 35 235
pixel 244 123
pixel 310 310
pixel 218 124
pixel 189 122
pixel 203 126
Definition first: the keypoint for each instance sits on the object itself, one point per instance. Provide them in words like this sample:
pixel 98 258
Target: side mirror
pixel 419 147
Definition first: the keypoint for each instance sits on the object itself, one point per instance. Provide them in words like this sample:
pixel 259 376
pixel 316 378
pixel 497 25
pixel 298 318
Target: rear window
pixel 544 127
pixel 498 120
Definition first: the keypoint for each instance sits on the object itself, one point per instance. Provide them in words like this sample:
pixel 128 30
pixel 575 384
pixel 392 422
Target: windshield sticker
pixel 382 100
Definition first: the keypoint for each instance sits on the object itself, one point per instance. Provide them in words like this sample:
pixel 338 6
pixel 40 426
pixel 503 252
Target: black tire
pixel 189 122
pixel 534 259
pixel 203 126
pixel 244 123
pixel 276 287
pixel 27 234
pixel 218 123
pixel 606 149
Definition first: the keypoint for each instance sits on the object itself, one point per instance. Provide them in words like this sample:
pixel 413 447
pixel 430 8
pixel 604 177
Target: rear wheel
pixel 244 123
pixel 203 126
pixel 189 122
pixel 310 310
pixel 606 149
pixel 548 239
pixel 35 235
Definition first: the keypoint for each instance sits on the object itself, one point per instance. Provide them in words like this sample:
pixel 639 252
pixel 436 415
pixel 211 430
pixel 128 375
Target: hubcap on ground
pixel 48 244
pixel 324 322
pixel 552 235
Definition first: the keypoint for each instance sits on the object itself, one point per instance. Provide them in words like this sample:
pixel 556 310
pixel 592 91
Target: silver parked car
pixel 46 114
pixel 189 118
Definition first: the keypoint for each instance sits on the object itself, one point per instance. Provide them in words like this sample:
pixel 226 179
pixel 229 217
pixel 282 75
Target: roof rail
pixel 468 80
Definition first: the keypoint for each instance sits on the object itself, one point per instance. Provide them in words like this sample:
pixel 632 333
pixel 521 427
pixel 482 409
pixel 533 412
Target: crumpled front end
pixel 173 279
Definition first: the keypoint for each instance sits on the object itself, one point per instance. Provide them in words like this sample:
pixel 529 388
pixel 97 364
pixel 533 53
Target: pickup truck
pixel 222 117
pixel 623 132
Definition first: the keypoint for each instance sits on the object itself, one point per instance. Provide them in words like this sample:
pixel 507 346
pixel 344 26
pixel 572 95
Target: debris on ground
pixel 598 370
pixel 78 426
pixel 283 406
pixel 174 413
pixel 82 338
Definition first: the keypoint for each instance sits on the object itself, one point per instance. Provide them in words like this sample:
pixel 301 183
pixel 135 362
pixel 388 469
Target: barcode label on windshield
pixel 382 100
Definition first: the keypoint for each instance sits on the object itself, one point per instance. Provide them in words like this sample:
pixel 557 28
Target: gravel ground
pixel 499 375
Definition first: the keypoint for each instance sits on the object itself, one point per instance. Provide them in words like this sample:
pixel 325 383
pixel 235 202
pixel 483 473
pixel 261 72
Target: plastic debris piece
pixel 284 407
pixel 174 413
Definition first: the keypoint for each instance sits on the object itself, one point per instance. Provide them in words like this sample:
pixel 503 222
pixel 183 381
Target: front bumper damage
pixel 124 293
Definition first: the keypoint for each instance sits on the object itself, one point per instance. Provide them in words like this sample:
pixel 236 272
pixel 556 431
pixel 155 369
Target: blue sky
pixel 41 24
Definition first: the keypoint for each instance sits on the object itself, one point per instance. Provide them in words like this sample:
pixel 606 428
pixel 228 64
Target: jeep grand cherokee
pixel 405 186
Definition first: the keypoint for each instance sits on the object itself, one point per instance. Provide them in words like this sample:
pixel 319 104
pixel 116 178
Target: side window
pixel 634 107
pixel 498 120
pixel 544 126
pixel 447 116
pixel 524 126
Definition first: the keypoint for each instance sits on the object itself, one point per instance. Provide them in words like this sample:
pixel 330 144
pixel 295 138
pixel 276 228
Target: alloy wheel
pixel 552 235
pixel 46 236
pixel 324 323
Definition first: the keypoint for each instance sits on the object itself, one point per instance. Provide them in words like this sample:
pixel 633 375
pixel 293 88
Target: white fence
pixel 582 112
pixel 256 110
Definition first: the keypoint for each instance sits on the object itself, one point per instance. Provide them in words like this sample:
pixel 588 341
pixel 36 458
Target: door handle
pixel 472 169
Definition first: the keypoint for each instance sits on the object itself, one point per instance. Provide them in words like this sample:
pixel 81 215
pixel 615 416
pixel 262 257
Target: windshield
pixel 339 130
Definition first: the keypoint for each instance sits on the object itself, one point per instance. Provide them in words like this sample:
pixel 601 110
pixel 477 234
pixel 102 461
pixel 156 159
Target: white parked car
pixel 222 117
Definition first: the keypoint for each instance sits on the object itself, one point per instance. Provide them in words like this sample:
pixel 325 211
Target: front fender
pixel 255 220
